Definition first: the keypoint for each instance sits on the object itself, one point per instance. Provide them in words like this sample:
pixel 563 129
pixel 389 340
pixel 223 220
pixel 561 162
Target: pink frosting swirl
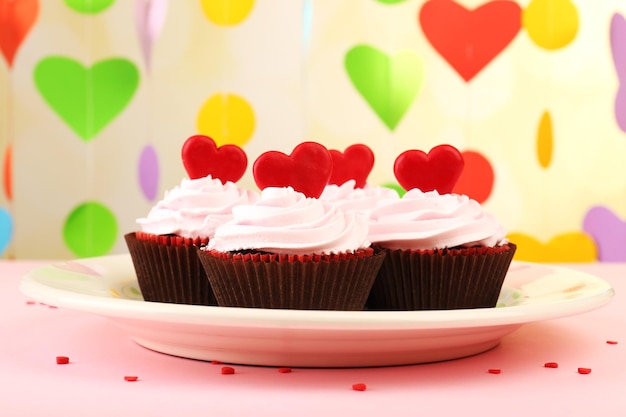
pixel 347 197
pixel 195 208
pixel 432 221
pixel 284 221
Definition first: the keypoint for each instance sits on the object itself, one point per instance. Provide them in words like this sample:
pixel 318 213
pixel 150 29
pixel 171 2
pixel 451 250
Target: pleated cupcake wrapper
pixel 169 271
pixel 339 283
pixel 441 280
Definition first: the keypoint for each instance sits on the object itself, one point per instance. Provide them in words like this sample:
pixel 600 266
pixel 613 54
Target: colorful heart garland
pixel 485 31
pixel 307 169
pixel 438 170
pixel 202 157
pixel 355 163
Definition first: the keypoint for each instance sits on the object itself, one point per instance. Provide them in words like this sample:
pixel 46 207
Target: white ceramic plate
pixel 107 286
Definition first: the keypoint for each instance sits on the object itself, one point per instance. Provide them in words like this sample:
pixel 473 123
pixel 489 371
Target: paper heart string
pixel 355 163
pixel 565 247
pixel 389 83
pixel 149 20
pixel 438 170
pixel 202 157
pixel 86 98
pixel 618 50
pixel 307 169
pixel 608 231
pixel 454 30
pixel 476 180
pixel 16 20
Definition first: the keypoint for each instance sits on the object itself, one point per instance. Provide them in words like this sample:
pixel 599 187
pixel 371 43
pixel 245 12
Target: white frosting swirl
pixel 195 208
pixel 347 197
pixel 284 221
pixel 432 221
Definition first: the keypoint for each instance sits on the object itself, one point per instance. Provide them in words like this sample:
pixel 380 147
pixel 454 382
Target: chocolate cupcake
pixel 164 250
pixel 293 252
pixel 443 250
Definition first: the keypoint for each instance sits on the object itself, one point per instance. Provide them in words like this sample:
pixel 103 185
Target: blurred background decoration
pixel 98 96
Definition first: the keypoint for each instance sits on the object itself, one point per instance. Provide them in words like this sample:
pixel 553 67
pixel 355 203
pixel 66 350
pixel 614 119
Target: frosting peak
pixel 432 221
pixel 195 208
pixel 285 221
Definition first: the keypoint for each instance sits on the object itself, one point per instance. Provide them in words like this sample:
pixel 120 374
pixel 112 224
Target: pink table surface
pixel 101 355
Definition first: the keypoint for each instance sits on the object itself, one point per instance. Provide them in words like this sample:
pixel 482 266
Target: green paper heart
pixel 388 84
pixel 89 6
pixel 87 99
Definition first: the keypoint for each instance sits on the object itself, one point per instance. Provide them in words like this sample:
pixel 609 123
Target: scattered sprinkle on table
pixel 359 387
pixel 584 371
pixel 495 371
pixel 611 342
pixel 216 363
pixel 130 378
pixel 551 365
pixel 63 360
pixel 284 370
pixel 30 302
pixel 227 370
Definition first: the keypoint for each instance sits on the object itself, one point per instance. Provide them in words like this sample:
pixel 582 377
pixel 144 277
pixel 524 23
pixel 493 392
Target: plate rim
pixel 125 309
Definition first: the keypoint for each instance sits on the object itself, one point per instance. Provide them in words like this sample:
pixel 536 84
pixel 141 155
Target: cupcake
pixel 444 251
pixel 290 250
pixel 164 248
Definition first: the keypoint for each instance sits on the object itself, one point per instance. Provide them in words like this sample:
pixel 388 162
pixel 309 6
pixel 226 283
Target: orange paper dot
pixel 544 140
pixel 7 173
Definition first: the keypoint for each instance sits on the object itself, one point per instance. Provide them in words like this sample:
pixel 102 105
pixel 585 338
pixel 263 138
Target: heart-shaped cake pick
pixel 306 170
pixel 202 157
pixel 355 163
pixel 438 170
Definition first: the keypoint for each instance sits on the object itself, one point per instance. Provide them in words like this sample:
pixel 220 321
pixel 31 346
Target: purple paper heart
pixel 149 19
pixel 149 172
pixel 618 50
pixel 609 233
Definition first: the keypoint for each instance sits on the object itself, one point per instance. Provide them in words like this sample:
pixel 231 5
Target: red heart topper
pixel 438 170
pixel 355 163
pixel 307 169
pixel 202 157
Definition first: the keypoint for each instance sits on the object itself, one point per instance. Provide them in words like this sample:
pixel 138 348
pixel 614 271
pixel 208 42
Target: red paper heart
pixel 438 170
pixel 470 39
pixel 16 20
pixel 355 163
pixel 306 170
pixel 476 181
pixel 202 157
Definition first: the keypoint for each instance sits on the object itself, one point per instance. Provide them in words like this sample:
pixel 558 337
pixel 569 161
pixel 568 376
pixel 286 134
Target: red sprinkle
pixel 30 302
pixel 359 387
pixel 551 365
pixel 227 370
pixel 584 371
pixel 216 362
pixel 284 370
pixel 611 342
pixel 63 360
pixel 130 378
pixel 494 371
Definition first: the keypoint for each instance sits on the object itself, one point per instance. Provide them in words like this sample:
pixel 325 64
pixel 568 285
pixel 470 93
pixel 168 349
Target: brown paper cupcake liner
pixel 441 279
pixel 168 270
pixel 257 280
